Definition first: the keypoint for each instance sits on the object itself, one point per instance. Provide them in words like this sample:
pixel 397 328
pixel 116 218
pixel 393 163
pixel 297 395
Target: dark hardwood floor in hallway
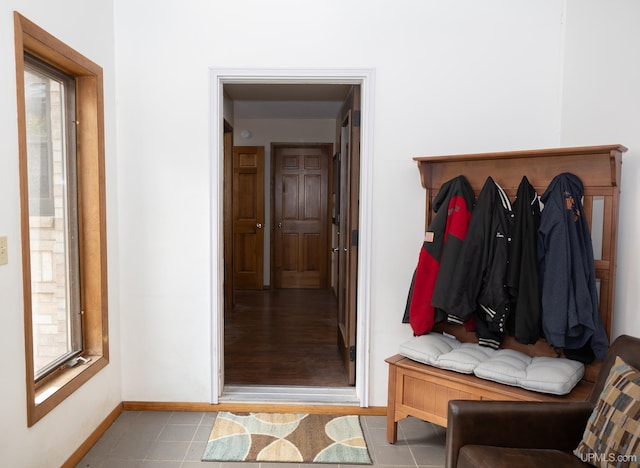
pixel 283 337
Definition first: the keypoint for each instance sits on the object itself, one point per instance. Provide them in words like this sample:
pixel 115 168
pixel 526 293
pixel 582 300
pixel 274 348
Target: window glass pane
pixel 38 96
pixel 52 224
pixel 597 226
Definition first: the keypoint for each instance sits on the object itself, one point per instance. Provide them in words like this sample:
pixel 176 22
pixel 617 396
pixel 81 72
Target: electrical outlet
pixel 4 256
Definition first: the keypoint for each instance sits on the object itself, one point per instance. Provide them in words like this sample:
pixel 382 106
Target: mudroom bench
pixel 423 391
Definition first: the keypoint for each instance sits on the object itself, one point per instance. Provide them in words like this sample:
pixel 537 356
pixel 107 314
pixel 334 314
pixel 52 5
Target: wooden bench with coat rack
pixel 423 391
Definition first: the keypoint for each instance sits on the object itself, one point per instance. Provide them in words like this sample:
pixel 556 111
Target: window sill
pixel 55 389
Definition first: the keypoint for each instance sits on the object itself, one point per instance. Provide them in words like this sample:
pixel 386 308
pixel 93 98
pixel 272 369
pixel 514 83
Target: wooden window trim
pixel 31 39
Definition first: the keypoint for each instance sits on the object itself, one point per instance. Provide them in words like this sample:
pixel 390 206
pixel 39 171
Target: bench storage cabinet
pixel 423 391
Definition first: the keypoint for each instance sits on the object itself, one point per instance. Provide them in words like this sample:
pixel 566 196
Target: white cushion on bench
pixel 539 374
pixel 557 376
pixel 445 352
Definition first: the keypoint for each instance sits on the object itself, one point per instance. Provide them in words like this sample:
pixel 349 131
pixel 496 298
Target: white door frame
pixel 366 79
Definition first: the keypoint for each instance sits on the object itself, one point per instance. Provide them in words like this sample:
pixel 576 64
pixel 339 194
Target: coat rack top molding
pixel 597 166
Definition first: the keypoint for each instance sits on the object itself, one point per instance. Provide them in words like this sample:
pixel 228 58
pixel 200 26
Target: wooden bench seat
pixel 424 391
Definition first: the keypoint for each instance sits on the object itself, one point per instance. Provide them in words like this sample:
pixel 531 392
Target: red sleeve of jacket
pixel 422 311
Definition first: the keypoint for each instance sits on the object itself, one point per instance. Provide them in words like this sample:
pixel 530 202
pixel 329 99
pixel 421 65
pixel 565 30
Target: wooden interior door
pixel 228 215
pixel 248 217
pixel 300 204
pixel 347 248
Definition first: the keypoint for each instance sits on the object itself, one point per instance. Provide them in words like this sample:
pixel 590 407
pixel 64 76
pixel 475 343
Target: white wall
pixel 601 105
pixel 450 77
pixel 267 131
pixel 88 28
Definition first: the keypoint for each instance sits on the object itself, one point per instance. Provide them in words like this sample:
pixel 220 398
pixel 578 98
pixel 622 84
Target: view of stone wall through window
pixel 47 221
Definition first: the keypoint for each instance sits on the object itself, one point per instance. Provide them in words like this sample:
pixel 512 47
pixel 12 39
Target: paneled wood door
pixel 300 204
pixel 228 215
pixel 347 249
pixel 248 217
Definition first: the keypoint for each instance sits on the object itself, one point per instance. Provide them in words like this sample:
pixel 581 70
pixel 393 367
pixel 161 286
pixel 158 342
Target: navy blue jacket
pixel 570 317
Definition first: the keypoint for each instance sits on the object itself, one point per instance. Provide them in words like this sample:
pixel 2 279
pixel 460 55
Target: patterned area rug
pixel 287 437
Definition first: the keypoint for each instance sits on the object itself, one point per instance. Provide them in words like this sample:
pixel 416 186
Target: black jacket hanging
pixel 522 273
pixel 478 283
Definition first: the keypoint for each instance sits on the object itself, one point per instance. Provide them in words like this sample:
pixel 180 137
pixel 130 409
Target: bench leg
pixel 392 430
pixel 392 424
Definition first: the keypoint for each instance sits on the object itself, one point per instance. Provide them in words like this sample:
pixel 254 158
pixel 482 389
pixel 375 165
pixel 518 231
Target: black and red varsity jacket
pixel 442 243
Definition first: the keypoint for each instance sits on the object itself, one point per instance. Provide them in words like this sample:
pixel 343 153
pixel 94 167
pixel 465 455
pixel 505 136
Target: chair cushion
pixel 557 376
pixel 612 434
pixel 502 457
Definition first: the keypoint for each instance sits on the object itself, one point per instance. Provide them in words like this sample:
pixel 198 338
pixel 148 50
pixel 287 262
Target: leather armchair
pixel 526 434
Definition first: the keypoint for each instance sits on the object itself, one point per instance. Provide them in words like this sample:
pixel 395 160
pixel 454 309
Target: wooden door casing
pixel 300 221
pixel 248 217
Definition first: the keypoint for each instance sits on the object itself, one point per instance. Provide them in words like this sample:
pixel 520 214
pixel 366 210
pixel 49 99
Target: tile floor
pixel 177 440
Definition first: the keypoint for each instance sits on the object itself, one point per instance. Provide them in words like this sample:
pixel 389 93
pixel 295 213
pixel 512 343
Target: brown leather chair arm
pixel 517 424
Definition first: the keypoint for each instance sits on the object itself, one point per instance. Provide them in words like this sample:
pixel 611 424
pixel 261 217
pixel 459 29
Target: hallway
pixel 283 337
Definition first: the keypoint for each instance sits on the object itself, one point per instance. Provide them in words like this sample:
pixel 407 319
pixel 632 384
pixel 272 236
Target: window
pixel 61 151
pixel 53 222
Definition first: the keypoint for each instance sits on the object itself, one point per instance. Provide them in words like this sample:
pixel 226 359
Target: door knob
pixel 279 225
pixel 259 225
pixel 335 249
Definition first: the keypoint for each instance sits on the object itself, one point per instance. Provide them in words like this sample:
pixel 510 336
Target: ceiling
pixel 287 100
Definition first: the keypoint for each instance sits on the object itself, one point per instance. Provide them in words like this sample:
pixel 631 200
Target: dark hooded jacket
pixel 443 240
pixel 524 321
pixel 570 318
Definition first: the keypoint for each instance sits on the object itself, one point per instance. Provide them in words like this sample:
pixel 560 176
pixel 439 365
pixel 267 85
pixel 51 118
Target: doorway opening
pixel 340 243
